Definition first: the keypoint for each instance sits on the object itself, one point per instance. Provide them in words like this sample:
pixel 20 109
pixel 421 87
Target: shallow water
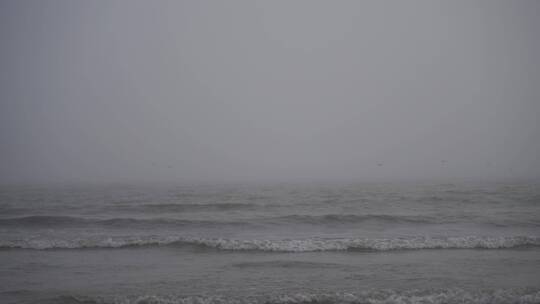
pixel 280 243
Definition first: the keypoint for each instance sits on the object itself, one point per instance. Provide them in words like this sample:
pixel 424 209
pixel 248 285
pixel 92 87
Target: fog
pixel 113 91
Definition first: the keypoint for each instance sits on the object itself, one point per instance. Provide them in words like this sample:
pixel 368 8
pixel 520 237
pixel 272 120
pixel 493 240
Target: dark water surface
pixel 280 243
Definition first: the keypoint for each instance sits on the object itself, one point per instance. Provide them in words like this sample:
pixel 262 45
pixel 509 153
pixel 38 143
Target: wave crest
pixel 301 245
pixel 40 221
pixel 447 296
pixel 307 245
pixel 70 221
pixel 192 207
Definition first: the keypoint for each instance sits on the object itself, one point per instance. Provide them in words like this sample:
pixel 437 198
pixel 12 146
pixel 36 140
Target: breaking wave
pixel 301 245
pixel 446 296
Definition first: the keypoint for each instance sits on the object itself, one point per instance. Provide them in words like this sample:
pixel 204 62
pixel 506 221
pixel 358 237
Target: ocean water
pixel 275 243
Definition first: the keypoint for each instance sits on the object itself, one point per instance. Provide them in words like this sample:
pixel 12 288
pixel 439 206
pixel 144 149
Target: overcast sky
pixel 268 90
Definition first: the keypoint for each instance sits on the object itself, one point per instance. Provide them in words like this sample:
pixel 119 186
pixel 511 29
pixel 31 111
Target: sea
pixel 274 243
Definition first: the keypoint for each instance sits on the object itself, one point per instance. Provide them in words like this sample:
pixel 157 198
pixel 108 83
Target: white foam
pixel 302 245
pixel 371 244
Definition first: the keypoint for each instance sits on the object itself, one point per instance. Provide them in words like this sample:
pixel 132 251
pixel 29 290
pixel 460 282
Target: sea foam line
pixel 286 245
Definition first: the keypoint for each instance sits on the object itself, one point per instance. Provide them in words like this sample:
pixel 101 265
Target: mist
pixel 112 91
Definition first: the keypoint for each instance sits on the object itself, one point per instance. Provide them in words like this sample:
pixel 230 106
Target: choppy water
pixel 280 243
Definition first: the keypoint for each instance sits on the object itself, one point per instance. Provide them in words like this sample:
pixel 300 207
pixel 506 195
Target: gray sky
pixel 268 90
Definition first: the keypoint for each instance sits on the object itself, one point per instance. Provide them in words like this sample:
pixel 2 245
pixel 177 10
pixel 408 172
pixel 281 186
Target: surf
pixel 285 245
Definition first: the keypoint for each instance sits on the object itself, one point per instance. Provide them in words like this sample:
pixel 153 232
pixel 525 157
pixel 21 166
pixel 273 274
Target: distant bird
pixel 379 164
pixel 169 166
pixel 443 161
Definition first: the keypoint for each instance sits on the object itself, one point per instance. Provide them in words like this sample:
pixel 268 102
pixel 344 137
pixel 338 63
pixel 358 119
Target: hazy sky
pixel 268 90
